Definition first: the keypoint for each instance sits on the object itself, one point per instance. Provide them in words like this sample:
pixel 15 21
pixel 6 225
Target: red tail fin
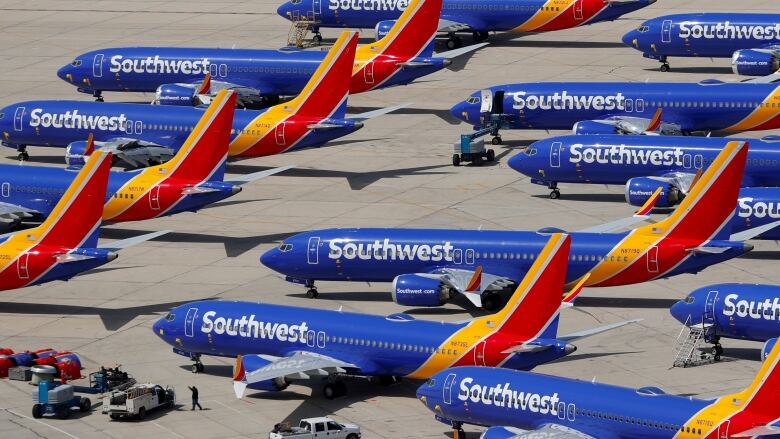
pixel 703 214
pixel 203 154
pixel 537 299
pixel 75 219
pixel 412 35
pixel 326 92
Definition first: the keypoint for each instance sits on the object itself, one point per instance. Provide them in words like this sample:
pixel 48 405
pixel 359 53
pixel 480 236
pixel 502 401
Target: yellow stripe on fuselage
pixel 465 339
pixel 549 11
pixel 769 109
pixel 134 190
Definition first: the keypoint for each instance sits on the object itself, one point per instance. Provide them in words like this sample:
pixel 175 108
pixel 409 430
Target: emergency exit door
pixel 578 14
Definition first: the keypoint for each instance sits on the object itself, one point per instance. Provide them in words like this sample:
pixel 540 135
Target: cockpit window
pixel 295 2
pixel 689 299
pixel 643 28
pixel 473 100
pixel 431 382
pixel 530 151
pixel 76 63
pixel 284 247
pixel 2 115
pixel 170 316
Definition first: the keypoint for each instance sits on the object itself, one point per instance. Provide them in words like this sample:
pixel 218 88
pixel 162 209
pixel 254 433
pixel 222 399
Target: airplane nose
pixel 271 259
pixel 285 10
pixel 460 111
pixel 66 73
pixel 679 312
pixel 159 328
pixel 631 39
pixel 520 163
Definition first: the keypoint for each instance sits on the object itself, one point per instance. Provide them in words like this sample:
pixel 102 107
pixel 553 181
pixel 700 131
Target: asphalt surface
pixel 395 172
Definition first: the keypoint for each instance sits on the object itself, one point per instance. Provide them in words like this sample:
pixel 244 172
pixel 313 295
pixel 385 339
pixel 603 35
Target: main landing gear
pixel 311 291
pixel 457 431
pixel 23 156
pixel 554 192
pixel 665 64
pixel 334 389
pixel 197 366
pixel 453 41
pixel 480 36
pixel 717 351
pixel 491 301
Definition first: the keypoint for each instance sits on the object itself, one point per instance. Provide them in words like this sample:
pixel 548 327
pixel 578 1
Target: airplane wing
pixel 593 331
pixel 249 178
pixel 641 215
pixel 753 232
pixel 129 242
pixel 248 95
pixel 470 283
pixel 375 113
pixel 453 25
pixel 547 431
pixel 12 213
pixel 633 125
pixel 300 365
pixel 139 153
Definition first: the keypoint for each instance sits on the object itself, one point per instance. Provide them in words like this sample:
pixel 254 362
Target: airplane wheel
pixel 480 36
pixel 99 99
pixel 200 367
pixel 665 68
pixel 555 194
pixel 491 302
pixel 491 155
pixel 23 156
pixel 455 160
pixel 454 42
pixel 37 411
pixel 329 391
pixel 496 140
pixel 312 293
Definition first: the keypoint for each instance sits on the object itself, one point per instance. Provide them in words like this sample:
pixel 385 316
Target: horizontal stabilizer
pixel 753 232
pixel 527 348
pixel 594 331
pixel 376 113
pixel 249 178
pixel 195 190
pixel 414 64
pixel 763 430
pixel 129 242
pixel 72 257
pixel 707 250
pixel 323 126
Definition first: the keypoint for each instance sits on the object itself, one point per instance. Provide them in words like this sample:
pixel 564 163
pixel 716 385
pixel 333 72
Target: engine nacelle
pixel 74 153
pixel 500 433
pixel 591 127
pixel 768 346
pixel 754 63
pixel 639 189
pixel 416 290
pixel 176 94
pixel 383 28
pixel 249 363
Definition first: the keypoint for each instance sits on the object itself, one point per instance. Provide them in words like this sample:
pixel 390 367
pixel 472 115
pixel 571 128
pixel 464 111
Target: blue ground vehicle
pixel 57 400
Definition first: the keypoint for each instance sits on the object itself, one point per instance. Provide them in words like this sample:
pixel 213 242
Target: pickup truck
pixel 316 428
pixel 138 400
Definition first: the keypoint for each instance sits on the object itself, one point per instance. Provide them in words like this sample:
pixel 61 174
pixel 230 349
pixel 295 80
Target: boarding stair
pixel 300 27
pixel 688 351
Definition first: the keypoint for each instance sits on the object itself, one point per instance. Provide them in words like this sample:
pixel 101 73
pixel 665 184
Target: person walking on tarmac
pixel 195 402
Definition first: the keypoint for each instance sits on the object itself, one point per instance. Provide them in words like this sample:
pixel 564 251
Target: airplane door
pixel 446 390
pixel 21 266
pixel 486 101
pixel 314 246
pixel 479 354
pixel 368 72
pixel 709 307
pixel 6 189
pixel 316 7
pixel 189 322
pixel 18 118
pixel 498 102
pixel 97 66
pixel 723 429
pixel 652 260
pixel 578 15
pixel 279 130
pixel 555 154
pixel 666 31
pixel 154 198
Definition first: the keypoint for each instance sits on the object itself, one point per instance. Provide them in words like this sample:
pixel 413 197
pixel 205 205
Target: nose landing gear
pixel 23 156
pixel 554 193
pixel 311 292
pixel 197 366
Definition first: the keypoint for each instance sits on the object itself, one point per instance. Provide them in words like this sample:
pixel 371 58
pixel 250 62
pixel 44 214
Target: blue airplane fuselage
pixel 690 108
pixel 741 311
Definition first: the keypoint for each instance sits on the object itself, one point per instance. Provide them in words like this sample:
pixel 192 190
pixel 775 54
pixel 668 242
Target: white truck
pixel 138 400
pixel 316 428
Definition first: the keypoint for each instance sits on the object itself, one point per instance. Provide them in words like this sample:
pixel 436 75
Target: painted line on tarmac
pixel 42 423
pixel 167 429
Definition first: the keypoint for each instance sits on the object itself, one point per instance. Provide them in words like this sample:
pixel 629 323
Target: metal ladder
pixel 687 352
pixel 299 29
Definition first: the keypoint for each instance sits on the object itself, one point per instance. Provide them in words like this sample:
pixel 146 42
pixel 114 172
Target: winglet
pixel 574 292
pixel 650 203
pixel 696 178
pixel 655 122
pixel 205 86
pixel 90 148
pixel 239 373
pixel 476 280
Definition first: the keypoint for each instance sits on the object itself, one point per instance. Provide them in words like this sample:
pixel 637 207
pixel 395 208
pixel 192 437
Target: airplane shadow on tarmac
pixel 357 180
pixel 624 302
pixel 234 246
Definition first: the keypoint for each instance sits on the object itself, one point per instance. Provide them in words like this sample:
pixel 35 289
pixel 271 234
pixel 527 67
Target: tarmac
pixel 395 172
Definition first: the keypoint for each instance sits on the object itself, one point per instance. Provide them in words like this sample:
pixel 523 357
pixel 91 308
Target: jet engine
pixel 383 28
pixel 249 363
pixel 752 62
pixel 176 94
pixel 639 189
pixel 416 290
pixel 592 127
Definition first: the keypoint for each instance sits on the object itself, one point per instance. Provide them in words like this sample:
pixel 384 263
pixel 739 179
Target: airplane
pixel 632 108
pixel 150 134
pixel 478 17
pixel 429 266
pixel 731 310
pixel 752 41
pixel 642 163
pixel 275 345
pixel 183 76
pixel 525 405
pixel 191 180
pixel 66 243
